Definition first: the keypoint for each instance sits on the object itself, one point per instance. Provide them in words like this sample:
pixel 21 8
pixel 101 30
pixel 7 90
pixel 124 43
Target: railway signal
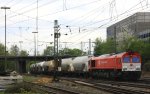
pixel 56 54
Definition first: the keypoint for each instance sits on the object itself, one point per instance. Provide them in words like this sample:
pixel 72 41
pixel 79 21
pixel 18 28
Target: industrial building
pixel 137 25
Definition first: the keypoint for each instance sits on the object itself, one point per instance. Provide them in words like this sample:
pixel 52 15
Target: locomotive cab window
pixel 126 59
pixel 135 59
pixel 93 63
pixel 89 62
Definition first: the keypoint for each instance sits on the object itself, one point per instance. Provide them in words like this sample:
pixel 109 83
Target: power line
pixel 27 6
pixel 127 12
pixel 9 2
pixel 119 15
pixel 29 10
pixel 16 3
pixel 31 18
pixel 70 8
pixel 88 14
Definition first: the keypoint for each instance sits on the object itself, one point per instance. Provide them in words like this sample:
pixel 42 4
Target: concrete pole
pixel 5 36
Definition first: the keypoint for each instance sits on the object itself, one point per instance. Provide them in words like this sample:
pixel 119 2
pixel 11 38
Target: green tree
pixel 2 53
pixel 64 51
pixel 48 51
pixel 2 49
pixel 131 43
pixel 103 47
pixel 98 46
pixel 71 52
pixel 75 52
pixel 14 50
pixel 146 66
pixel 136 45
pixel 2 63
pixel 23 53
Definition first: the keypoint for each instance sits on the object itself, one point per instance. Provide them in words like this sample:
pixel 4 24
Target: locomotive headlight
pixel 138 68
pixel 124 68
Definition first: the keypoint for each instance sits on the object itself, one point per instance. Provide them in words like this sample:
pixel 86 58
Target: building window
pixel 144 35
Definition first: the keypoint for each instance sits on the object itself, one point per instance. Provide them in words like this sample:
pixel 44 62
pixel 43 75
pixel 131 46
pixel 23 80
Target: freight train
pixel 126 65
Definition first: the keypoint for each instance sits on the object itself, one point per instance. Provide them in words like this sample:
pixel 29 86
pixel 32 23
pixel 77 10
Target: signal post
pixel 57 59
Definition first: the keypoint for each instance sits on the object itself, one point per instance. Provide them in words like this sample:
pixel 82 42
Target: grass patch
pixel 2 92
pixel 29 78
pixel 20 88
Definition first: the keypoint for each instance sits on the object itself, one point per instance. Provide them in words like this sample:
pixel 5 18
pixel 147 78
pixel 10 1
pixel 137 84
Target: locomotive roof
pixel 115 55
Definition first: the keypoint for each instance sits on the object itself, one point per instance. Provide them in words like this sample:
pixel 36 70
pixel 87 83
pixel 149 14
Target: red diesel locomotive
pixel 126 65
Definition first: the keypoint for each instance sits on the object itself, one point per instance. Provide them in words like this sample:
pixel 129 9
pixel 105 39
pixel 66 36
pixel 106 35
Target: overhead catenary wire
pixel 27 6
pixel 7 3
pixel 32 9
pixel 96 24
pixel 47 4
pixel 87 15
pixel 105 23
pixel 69 8
pixel 118 15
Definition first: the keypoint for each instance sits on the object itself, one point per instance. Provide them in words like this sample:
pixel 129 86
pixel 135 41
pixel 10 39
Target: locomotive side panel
pixel 108 63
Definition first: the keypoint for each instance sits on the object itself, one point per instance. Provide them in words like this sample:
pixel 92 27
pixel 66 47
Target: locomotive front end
pixel 131 62
pixel 131 66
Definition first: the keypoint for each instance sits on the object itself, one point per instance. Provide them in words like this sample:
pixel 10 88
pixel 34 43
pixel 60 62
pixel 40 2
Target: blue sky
pixel 91 17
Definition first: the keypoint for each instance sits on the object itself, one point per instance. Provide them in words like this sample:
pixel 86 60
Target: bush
pixel 19 88
pixel 146 66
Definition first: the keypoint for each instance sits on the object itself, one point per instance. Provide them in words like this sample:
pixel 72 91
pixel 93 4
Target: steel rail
pixel 53 90
pixel 106 87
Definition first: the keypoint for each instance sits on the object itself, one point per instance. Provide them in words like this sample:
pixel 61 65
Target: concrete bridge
pixel 22 60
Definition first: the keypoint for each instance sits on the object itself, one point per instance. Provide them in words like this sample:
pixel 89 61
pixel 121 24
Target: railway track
pixel 145 80
pixel 130 84
pixel 51 90
pixel 116 88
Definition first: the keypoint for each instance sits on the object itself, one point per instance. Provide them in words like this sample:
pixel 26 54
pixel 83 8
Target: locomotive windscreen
pixel 135 60
pixel 126 59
